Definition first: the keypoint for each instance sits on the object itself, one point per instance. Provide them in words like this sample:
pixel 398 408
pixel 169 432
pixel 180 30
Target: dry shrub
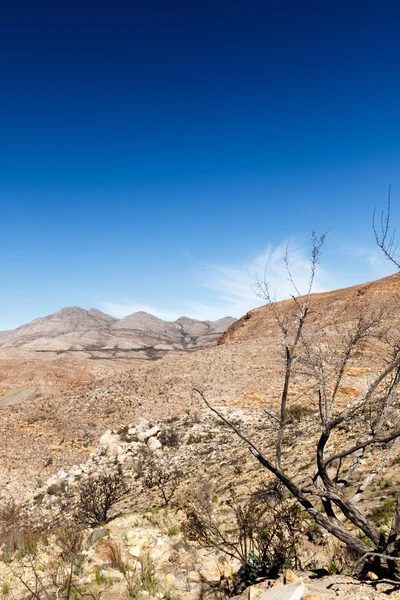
pixel 69 539
pixel 261 530
pixel 19 539
pixel 49 570
pixel 17 533
pixel 112 554
pixel 169 437
pixel 298 412
pixel 9 513
pixel 162 475
pixel 341 557
pixel 97 495
pixel 139 574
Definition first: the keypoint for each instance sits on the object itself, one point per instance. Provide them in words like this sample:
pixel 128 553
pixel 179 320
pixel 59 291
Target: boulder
pixel 154 444
pixel 143 436
pixel 110 442
pixel 97 534
pixel 142 425
pixel 293 591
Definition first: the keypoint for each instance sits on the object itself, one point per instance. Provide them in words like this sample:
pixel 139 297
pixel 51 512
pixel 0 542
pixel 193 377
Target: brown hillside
pixel 259 322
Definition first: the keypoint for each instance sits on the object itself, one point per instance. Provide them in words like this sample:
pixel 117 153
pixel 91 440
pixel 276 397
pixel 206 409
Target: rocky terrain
pixel 50 442
pixel 244 371
pixel 74 347
pixel 145 528
pixel 74 329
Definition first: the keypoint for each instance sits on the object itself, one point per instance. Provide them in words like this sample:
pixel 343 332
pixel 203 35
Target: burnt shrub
pixel 169 436
pixel 97 495
pixel 162 475
pixel 260 529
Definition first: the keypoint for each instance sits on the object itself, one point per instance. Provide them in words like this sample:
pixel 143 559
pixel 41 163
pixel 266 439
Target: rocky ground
pixel 142 527
pixel 50 444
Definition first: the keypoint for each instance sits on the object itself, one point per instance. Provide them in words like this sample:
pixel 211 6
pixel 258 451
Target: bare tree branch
pixel 385 240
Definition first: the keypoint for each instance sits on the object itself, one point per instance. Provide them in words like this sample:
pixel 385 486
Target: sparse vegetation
pixel 139 574
pixel 5 588
pixel 97 495
pixel 323 355
pixel 169 437
pixel 383 513
pixel 56 489
pixel 261 530
pixel 162 475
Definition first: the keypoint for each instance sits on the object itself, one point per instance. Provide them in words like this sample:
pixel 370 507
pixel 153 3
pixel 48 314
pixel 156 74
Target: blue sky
pixel 153 155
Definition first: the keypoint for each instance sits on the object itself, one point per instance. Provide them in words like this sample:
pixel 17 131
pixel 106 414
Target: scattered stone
pixel 143 436
pixel 154 444
pixel 98 534
pixel 371 576
pixel 293 591
pixel 135 551
pixel 290 577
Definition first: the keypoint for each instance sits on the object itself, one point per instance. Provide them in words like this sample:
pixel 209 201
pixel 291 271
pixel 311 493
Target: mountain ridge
pixel 73 328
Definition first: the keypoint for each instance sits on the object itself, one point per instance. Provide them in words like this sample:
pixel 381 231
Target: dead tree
pixel 374 415
pixel 385 237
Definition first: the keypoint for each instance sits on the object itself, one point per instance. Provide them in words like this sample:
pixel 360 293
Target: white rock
pixel 135 447
pixel 154 444
pixel 76 471
pixel 135 551
pixel 143 436
pixel 105 438
pixel 294 591
pixel 142 425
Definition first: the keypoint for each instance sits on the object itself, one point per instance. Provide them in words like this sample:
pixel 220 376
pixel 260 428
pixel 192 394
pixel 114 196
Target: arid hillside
pixel 74 347
pixel 244 373
pixel 330 308
pixel 148 425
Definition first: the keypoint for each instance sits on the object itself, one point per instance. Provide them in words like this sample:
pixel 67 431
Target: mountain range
pixel 75 329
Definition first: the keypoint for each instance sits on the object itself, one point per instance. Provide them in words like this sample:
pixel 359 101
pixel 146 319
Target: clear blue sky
pixel 153 153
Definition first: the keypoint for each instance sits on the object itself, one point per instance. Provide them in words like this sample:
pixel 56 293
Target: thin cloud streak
pixel 227 289
pixel 234 284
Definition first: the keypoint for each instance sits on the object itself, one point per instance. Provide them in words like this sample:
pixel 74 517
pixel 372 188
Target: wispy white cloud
pixel 233 284
pixel 220 290
pixel 380 266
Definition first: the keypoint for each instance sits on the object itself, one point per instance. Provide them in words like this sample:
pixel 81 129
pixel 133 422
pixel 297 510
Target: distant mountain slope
pixel 66 320
pixel 337 306
pixel 79 330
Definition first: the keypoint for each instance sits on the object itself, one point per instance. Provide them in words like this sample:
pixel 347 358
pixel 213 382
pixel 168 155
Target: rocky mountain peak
pixel 75 329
